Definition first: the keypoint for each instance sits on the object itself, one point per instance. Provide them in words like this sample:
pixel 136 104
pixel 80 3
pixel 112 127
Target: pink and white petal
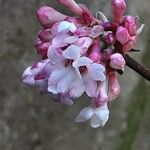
pixel 56 76
pixel 63 84
pixel 55 54
pixel 90 87
pixel 64 25
pixel 73 28
pixel 82 61
pixel 84 43
pixel 71 39
pixel 52 89
pixel 77 88
pixel 96 72
pixel 58 41
pixel 28 77
pixel 95 121
pixel 103 114
pixel 85 114
pixel 72 52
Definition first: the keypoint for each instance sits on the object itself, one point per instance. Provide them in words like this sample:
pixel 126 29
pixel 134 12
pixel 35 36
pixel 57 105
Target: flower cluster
pixel 82 54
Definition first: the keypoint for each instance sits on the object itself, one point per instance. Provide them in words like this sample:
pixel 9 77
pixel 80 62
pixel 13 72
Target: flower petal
pixel 64 25
pixel 82 61
pixel 55 54
pixel 72 52
pixel 95 121
pixel 85 114
pixel 103 114
pixel 77 88
pixel 63 84
pixel 52 89
pixel 96 72
pixel 28 77
pixel 56 76
pixel 90 87
pixel 58 41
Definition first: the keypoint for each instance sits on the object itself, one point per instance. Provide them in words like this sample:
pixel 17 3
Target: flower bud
pixel 130 24
pixel 117 61
pixel 122 35
pixel 47 16
pixel 113 86
pixel 72 5
pixel 37 42
pixel 45 35
pixel 42 50
pixel 95 52
pixel 118 9
pixel 130 44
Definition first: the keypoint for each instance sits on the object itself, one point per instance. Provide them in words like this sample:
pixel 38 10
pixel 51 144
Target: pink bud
pixel 130 24
pixel 37 42
pixel 95 52
pixel 113 86
pixel 117 61
pixel 47 16
pixel 122 35
pixel 42 50
pixel 45 35
pixel 118 9
pixel 130 44
pixel 72 5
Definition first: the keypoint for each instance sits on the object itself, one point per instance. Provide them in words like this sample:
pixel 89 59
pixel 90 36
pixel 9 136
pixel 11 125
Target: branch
pixel 140 69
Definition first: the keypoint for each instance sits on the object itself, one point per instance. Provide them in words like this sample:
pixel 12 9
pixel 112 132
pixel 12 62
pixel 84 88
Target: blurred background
pixel 29 121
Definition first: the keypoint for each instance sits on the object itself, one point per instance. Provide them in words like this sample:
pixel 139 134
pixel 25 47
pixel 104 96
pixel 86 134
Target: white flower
pixel 98 116
pixel 64 79
pixel 90 73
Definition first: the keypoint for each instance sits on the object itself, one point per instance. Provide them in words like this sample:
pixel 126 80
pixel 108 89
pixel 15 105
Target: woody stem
pixel 140 69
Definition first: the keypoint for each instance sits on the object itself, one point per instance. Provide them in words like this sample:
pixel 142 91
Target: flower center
pixel 82 69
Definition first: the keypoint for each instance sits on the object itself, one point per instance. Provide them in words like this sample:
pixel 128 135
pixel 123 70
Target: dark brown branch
pixel 140 69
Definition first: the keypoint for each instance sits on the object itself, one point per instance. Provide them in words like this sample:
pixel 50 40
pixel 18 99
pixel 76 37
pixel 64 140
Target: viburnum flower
pixel 82 54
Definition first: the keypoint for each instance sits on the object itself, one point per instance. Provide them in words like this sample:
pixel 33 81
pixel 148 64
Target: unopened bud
pixel 72 5
pixel 118 9
pixel 122 35
pixel 129 23
pixel 47 16
pixel 117 61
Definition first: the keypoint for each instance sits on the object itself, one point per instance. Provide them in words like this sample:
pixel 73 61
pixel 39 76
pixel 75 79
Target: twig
pixel 140 69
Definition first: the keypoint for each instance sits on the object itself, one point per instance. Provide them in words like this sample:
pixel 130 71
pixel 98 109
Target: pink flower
pixel 82 54
pixel 35 76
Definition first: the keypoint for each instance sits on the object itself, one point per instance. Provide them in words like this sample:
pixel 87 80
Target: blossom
pixel 98 116
pixel 82 54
